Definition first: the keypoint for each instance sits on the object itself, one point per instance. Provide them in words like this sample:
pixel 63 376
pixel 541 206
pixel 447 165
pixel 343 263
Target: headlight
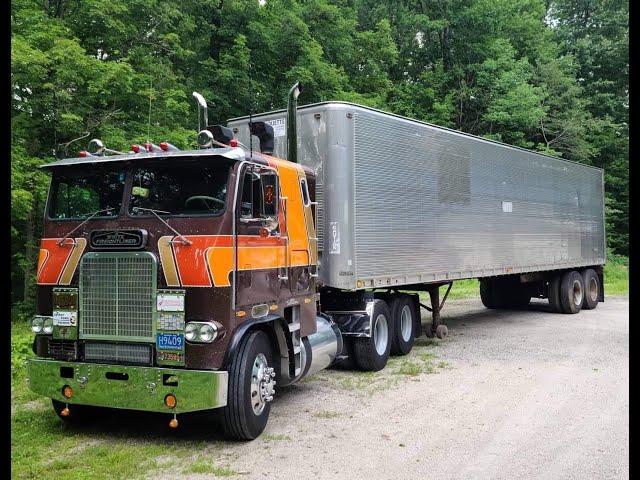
pixel 191 331
pixel 206 332
pixel 47 326
pixel 36 324
pixel 201 332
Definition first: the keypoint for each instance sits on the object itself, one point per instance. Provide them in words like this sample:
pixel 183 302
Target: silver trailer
pixel 402 202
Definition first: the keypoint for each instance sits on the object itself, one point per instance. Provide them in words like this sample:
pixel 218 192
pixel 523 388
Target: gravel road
pixel 508 395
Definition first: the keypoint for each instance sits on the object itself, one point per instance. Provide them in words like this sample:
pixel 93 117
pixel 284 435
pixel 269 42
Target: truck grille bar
pixel 117 296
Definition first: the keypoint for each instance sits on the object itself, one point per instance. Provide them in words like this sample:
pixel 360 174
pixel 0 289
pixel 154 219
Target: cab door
pixel 260 244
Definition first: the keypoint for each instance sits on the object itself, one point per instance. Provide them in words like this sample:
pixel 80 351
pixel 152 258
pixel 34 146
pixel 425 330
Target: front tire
pixel 250 388
pixel 404 324
pixel 371 354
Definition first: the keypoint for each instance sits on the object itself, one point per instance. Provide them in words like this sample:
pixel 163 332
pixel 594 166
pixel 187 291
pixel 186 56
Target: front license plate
pixel 170 341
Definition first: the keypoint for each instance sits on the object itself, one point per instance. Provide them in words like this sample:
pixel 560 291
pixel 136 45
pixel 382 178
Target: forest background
pixel 548 75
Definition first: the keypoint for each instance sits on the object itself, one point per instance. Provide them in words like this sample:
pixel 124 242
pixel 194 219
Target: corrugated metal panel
pixel 429 201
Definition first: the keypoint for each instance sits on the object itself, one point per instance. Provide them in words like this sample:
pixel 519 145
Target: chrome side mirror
pixel 96 147
pixel 205 139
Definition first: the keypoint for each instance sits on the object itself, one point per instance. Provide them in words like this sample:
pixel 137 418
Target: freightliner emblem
pixel 118 239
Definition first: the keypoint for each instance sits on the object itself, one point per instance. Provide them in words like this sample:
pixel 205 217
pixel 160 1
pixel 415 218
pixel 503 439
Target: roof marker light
pixel 167 147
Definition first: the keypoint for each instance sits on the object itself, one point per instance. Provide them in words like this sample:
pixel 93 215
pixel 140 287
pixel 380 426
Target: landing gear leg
pixel 437 328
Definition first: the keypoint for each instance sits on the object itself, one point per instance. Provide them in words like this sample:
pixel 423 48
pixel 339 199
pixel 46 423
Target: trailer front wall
pixel 403 202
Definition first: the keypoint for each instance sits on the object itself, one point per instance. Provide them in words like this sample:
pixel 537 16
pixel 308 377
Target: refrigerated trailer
pixel 176 281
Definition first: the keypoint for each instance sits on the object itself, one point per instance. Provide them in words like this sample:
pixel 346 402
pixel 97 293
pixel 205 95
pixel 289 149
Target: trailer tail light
pixel 233 142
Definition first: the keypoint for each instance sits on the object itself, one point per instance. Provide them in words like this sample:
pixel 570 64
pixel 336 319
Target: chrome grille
pixel 117 295
pixel 139 353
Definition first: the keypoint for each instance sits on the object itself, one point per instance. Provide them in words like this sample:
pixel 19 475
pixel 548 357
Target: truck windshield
pixel 79 194
pixel 180 188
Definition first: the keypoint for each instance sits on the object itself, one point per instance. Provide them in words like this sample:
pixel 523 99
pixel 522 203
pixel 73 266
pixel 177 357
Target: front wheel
pixel 371 354
pixel 251 388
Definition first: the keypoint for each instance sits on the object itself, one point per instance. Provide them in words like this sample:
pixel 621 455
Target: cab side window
pixel 259 201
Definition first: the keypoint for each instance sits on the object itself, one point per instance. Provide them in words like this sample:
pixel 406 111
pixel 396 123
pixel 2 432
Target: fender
pixel 240 332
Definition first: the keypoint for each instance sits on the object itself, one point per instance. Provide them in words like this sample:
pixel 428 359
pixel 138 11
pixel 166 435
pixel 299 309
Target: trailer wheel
pixel 487 289
pixel 372 353
pixel 553 293
pixel 250 388
pixel 591 289
pixel 571 292
pixel 404 324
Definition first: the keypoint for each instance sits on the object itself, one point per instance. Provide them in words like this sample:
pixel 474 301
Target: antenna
pixel 149 120
pixel 250 108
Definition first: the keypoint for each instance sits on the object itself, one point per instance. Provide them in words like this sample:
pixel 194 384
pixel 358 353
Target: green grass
pixel 616 275
pixel 205 466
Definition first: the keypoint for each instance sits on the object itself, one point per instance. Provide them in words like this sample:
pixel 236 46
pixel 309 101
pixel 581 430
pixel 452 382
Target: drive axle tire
pixel 571 292
pixel 250 388
pixel 591 289
pixel 553 293
pixel 404 324
pixel 371 354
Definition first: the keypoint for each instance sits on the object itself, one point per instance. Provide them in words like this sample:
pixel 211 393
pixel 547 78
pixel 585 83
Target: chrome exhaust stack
pixel 292 127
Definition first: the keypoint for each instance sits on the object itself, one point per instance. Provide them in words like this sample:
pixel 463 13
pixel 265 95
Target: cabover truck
pixel 175 281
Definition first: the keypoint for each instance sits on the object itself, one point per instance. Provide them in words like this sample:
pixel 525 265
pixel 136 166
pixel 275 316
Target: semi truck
pixel 175 281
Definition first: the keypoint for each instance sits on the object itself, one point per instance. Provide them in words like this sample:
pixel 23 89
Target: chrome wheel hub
pixel 593 289
pixel 577 293
pixel 262 384
pixel 405 323
pixel 381 334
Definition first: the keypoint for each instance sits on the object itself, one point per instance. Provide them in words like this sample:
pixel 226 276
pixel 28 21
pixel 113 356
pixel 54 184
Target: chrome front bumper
pixel 128 387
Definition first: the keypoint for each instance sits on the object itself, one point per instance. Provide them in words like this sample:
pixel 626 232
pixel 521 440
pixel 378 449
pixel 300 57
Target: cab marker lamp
pixel 201 332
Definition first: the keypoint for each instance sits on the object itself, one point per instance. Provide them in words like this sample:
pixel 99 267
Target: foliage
pixel 548 75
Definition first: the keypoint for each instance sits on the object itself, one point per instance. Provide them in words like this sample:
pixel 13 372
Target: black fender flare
pixel 242 330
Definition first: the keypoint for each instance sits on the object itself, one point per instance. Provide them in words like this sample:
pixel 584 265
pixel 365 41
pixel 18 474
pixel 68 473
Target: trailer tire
pixel 591 289
pixel 553 293
pixel 487 289
pixel 404 324
pixel 571 292
pixel 516 295
pixel 371 353
pixel 246 413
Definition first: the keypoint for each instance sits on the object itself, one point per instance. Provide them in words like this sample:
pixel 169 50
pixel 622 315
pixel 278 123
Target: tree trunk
pixel 215 42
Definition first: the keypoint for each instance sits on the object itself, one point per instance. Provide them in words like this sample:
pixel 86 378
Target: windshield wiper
pixel 91 215
pixel 179 236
